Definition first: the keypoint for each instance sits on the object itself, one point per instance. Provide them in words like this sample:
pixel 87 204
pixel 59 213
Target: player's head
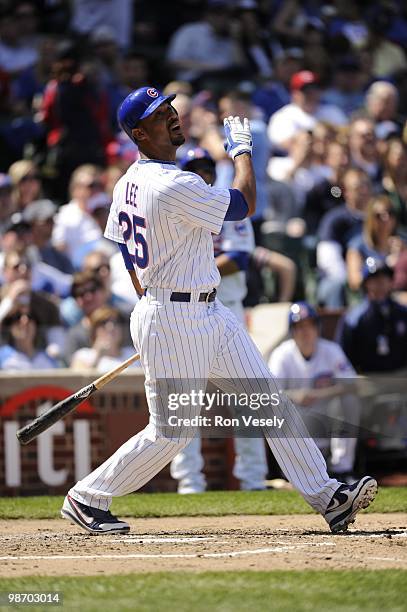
pixel 303 322
pixel 150 120
pixel 198 160
pixel 377 279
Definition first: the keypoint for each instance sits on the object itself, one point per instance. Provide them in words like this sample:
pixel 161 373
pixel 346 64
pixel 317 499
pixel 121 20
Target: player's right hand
pixel 238 136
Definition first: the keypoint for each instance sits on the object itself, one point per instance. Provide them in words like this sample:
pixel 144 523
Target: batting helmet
pixel 138 105
pixel 194 154
pixel 300 311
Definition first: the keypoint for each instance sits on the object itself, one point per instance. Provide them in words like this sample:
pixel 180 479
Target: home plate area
pixel 45 547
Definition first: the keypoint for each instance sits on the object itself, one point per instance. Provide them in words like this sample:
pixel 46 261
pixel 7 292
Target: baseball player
pixel 312 370
pixel 162 218
pixel 232 248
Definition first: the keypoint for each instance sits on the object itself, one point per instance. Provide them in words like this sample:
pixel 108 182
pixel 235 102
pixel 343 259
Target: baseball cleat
pixel 348 501
pixel 93 520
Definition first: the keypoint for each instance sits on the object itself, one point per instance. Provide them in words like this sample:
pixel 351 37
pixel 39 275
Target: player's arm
pixel 136 284
pixel 229 263
pixel 130 269
pixel 239 147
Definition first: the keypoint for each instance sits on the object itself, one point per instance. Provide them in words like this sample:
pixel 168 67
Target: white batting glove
pixel 238 136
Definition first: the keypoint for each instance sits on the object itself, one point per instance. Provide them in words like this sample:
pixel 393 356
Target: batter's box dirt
pixel 51 548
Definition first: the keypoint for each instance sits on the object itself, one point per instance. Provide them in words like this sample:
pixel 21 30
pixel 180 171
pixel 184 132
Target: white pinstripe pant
pixel 199 341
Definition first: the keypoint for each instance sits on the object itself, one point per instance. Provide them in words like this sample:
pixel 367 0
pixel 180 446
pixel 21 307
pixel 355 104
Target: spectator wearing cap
pixel 312 371
pixel 304 111
pixel 346 90
pixel 22 349
pixel 206 46
pixel 107 348
pixel 395 178
pixel 274 93
pixel 76 231
pixel 337 228
pixel 6 201
pixel 378 240
pixel 373 334
pixel 40 217
pixel 26 180
pixel 364 151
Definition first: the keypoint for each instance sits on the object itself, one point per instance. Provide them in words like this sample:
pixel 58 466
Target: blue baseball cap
pixel 138 105
pixel 373 266
pixel 193 154
pixel 299 311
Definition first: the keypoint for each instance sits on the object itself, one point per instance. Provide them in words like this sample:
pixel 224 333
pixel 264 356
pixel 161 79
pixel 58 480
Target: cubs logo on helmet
pixel 153 93
pixel 300 311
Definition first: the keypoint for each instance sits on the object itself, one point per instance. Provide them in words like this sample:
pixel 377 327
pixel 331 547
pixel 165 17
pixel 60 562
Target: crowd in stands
pixel 324 84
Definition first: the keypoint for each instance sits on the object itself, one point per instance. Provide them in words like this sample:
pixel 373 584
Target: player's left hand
pixel 238 136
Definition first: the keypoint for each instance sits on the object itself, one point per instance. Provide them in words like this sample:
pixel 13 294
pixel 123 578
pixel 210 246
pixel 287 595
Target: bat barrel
pixel 53 414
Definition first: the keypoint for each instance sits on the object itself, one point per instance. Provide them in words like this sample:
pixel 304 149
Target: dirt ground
pixel 55 547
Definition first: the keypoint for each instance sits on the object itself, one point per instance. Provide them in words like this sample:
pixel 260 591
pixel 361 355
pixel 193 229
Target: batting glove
pixel 238 136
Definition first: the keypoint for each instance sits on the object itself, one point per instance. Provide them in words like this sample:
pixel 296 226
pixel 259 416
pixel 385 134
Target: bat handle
pixel 105 378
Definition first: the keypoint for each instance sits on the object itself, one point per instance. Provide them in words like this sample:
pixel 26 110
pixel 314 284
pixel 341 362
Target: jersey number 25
pixel 140 256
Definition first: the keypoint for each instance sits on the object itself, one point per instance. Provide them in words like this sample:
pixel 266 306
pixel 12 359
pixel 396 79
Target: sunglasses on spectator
pixel 384 215
pixel 16 318
pixel 30 177
pixel 81 291
pixel 92 185
pixel 102 268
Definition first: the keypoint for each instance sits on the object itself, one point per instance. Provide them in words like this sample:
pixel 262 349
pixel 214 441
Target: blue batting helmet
pixel 299 311
pixel 194 154
pixel 138 105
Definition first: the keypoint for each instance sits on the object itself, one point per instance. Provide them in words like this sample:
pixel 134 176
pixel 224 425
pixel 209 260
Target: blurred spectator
pixel 117 13
pixel 16 54
pixel 111 176
pixel 346 88
pixel 364 153
pixel 395 178
pixel 16 292
pixel 26 180
pixel 106 336
pixel 400 277
pixel 254 39
pixel 75 230
pixel 89 293
pixel 6 202
pixel 378 240
pixel 304 111
pixel 206 46
pixel 374 333
pixel 290 20
pixel 315 47
pixel 239 103
pixel 75 114
pixel 105 54
pixel 311 370
pixel 382 100
pixel 298 169
pixel 387 58
pixel 40 216
pixel 337 228
pixel 22 348
pixel 323 135
pixel 327 194
pixel 348 22
pixel 274 93
pixel 283 267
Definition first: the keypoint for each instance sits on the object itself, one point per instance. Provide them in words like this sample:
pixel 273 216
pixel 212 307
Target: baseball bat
pixel 67 405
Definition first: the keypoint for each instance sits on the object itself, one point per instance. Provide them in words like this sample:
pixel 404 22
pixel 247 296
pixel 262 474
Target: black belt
pixel 179 296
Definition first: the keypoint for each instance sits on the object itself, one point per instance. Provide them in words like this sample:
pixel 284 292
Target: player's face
pixel 305 334
pixel 160 132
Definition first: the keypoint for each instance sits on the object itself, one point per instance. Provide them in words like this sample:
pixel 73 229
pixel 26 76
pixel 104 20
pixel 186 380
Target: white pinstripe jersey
pixel 166 217
pixel 235 236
